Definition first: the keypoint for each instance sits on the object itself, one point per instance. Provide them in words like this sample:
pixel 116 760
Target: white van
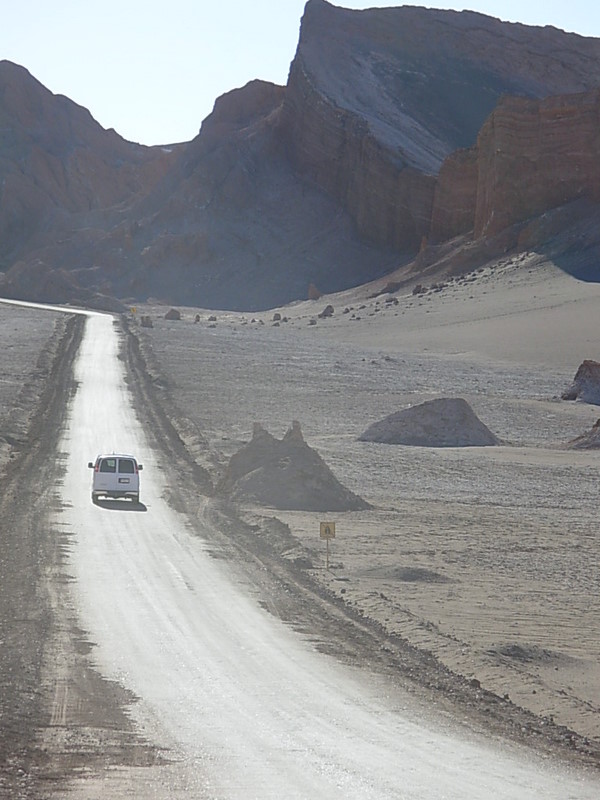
pixel 115 475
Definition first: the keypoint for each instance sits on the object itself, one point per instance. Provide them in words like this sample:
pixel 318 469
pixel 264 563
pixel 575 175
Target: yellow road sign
pixel 328 530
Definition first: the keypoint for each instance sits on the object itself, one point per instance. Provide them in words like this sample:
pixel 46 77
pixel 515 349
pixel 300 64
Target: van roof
pixel 115 455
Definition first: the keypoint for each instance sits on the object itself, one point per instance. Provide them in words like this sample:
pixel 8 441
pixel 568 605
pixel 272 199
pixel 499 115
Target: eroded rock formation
pixel 285 474
pixel 535 155
pixel 380 101
pixel 444 422
pixel 586 384
pixel 590 440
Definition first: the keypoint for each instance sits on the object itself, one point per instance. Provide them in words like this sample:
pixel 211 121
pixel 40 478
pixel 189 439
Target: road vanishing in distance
pixel 241 705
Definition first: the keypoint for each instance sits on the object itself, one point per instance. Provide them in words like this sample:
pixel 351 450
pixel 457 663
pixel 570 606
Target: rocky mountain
pixel 63 180
pixel 404 136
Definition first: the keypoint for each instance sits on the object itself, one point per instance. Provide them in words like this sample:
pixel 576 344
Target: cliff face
pixel 534 155
pixel 389 200
pixel 453 211
pixel 398 127
pixel 531 156
pixel 379 101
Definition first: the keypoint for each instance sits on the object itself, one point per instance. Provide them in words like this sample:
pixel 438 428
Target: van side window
pixel 126 465
pixel 108 465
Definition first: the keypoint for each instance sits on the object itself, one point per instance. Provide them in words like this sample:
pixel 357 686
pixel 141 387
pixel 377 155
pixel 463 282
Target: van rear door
pixel 127 475
pixel 105 477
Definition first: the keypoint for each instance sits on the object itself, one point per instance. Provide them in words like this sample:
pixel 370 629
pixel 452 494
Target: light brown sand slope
pixel 488 557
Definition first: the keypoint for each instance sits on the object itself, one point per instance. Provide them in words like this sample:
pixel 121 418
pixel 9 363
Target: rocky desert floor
pixel 487 558
pixel 474 577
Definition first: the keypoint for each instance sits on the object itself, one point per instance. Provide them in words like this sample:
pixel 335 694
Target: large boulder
pixel 445 422
pixel 586 385
pixel 286 474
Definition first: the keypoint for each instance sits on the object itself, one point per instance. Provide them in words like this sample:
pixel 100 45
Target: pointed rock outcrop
pixel 286 474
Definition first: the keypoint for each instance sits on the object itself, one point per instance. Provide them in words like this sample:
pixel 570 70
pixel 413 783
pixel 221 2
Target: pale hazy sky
pixel 152 70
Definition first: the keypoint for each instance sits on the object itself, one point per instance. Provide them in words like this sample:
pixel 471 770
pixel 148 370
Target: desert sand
pixel 484 557
pixel 487 557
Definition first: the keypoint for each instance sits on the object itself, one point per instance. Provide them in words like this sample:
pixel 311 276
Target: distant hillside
pixel 399 130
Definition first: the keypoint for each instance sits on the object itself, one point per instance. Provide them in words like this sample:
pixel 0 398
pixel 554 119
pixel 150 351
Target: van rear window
pixel 126 465
pixel 108 465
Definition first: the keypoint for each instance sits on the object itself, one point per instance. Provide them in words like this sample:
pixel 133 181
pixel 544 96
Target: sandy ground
pixel 27 348
pixel 485 557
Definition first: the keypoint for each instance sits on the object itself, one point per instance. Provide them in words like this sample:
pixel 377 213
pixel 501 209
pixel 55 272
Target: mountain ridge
pixel 398 130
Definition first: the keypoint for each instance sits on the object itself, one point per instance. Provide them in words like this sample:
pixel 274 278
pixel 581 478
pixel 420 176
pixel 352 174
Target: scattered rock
pixel 445 422
pixel 303 562
pixel 146 321
pixel 173 313
pixel 586 385
pixel 286 474
pixel 327 312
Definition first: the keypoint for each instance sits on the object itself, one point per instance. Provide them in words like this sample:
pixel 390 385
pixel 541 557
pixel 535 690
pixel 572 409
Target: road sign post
pixel 327 532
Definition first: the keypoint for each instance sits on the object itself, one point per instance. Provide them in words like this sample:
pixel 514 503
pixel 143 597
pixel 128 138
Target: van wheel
pixel 135 499
pixel 94 500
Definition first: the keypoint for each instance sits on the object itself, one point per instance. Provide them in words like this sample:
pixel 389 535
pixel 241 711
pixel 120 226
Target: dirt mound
pixel 445 422
pixel 586 385
pixel 587 441
pixel 286 474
